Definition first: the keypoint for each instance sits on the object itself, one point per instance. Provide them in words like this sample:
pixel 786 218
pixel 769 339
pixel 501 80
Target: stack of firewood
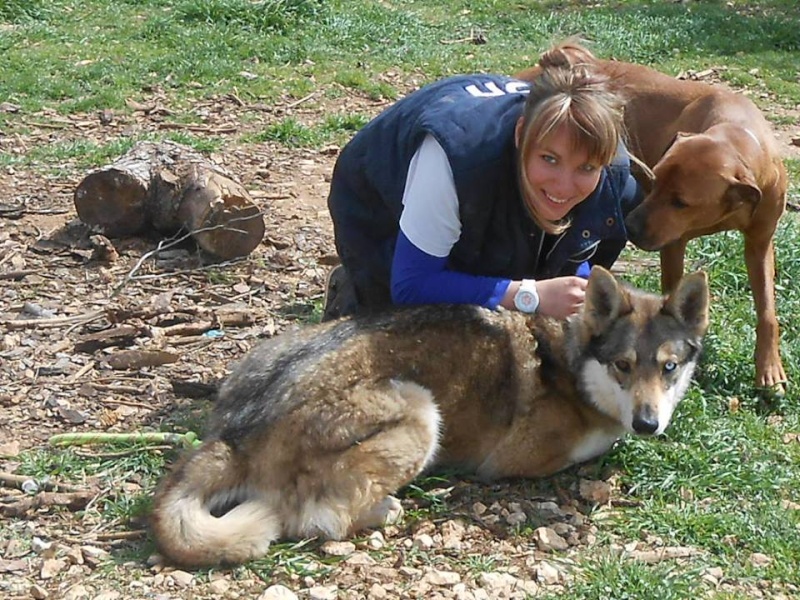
pixel 170 187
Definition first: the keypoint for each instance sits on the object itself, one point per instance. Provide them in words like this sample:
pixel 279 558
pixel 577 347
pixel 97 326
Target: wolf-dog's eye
pixel 670 366
pixel 622 365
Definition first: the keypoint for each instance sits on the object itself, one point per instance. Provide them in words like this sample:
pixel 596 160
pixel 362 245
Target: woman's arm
pixel 421 278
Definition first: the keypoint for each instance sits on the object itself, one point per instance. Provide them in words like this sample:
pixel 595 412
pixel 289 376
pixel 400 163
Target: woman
pixel 483 189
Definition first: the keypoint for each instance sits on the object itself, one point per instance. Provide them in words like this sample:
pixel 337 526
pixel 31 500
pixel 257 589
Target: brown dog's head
pixel 701 185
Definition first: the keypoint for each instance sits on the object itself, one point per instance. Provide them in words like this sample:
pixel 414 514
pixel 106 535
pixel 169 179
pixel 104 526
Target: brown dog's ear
pixel 605 301
pixel 689 302
pixel 743 189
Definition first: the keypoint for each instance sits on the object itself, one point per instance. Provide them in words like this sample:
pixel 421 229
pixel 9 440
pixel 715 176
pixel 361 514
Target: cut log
pixel 170 187
pixel 113 200
pixel 219 213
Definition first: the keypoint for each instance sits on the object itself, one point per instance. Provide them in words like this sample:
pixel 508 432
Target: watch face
pixel 526 301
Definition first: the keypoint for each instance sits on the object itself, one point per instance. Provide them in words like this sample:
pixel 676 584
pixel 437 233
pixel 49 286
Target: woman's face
pixel 560 176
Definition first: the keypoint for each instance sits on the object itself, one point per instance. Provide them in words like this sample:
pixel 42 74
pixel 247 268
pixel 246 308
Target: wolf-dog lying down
pixel 314 431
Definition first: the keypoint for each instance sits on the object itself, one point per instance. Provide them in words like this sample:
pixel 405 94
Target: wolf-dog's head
pixel 634 353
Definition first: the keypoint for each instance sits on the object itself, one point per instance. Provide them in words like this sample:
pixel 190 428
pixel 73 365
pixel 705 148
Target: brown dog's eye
pixel 678 203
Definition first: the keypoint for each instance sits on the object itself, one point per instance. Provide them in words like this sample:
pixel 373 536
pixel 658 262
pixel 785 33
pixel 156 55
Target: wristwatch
pixel 527 298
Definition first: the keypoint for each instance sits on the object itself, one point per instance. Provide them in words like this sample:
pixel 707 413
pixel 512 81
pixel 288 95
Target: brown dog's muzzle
pixel 636 224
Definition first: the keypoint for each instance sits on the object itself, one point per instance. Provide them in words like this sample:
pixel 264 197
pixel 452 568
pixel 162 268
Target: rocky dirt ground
pixel 179 325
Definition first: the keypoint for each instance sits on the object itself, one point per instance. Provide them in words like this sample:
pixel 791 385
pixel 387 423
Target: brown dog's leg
pixel 759 254
pixel 672 265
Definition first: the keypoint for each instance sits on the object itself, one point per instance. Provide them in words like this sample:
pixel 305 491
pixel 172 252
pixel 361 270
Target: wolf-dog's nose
pixel 645 424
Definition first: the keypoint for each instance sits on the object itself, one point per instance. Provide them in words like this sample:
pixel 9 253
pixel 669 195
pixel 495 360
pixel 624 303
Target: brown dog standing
pixel 716 166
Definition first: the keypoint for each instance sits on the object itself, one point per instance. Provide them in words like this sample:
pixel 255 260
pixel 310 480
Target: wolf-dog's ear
pixel 605 301
pixel 689 302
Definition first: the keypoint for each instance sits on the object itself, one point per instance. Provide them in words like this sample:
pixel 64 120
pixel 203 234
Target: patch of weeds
pixel 344 124
pixel 221 277
pixel 44 463
pixel 361 81
pixel 610 576
pixel 205 144
pixel 291 133
pixel 429 496
pixel 480 563
pixel 300 559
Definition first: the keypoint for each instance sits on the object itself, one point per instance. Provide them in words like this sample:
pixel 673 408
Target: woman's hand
pixel 560 297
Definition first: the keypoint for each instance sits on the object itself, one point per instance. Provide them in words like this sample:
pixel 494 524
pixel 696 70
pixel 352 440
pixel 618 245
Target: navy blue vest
pixel 473 118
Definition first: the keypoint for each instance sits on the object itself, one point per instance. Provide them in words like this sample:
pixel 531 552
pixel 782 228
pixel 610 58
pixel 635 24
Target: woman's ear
pixel 518 131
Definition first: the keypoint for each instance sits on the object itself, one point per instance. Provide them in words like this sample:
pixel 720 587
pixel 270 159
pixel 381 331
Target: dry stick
pixel 53 322
pixel 130 403
pixel 122 453
pixel 164 244
pixel 82 371
pixel 16 481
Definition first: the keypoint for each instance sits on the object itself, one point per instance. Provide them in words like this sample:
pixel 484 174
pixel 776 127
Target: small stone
pixel 37 592
pixel 181 578
pixel 360 559
pixel 377 592
pixel 219 586
pixel 595 491
pixel 376 541
pixel 76 592
pixel 442 578
pixel 52 567
pixel 337 548
pixel 548 540
pixel 516 518
pixel 39 546
pixel 423 542
pixel 328 592
pixel 75 556
pixel 110 595
pixel 496 583
pixel 546 573
pixel 277 592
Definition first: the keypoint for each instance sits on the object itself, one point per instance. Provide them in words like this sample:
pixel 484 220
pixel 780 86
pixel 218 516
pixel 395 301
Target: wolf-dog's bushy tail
pixel 186 529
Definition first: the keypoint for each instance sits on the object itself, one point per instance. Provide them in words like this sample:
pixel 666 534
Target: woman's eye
pixel 549 158
pixel 589 168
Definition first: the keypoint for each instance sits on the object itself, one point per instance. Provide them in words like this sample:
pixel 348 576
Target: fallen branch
pixel 52 322
pixel 17 481
pixel 21 506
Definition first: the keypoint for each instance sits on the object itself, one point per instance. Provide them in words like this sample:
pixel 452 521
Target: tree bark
pixel 170 187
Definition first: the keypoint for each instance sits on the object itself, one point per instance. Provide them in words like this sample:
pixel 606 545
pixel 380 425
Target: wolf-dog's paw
pixel 386 512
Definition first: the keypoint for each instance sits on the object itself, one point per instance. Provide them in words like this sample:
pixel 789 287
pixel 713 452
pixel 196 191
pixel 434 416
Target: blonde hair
pixel 569 92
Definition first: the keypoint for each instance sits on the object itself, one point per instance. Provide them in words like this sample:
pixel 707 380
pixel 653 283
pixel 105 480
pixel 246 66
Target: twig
pixel 52 322
pixel 301 100
pixel 73 501
pixel 16 482
pixel 126 403
pixel 169 243
pixel 17 275
pixel 122 453
pixel 199 128
pixel 82 371
pixel 121 535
